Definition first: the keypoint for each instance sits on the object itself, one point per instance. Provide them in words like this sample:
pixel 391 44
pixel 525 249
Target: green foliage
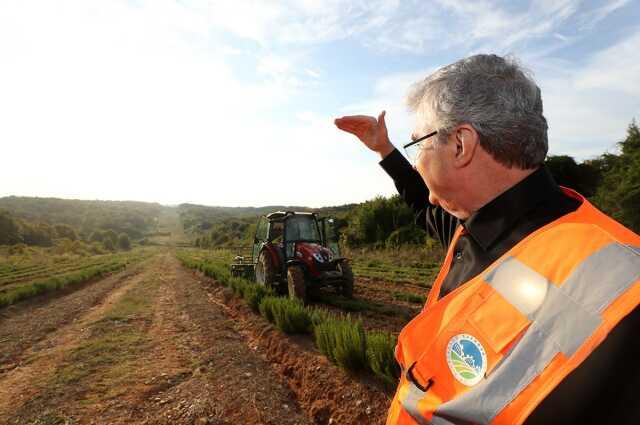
pixel 319 315
pixel 39 234
pixel 612 181
pixel 619 192
pixel 359 305
pixel 409 297
pixel 72 219
pixel 107 244
pixel 374 221
pixel 410 234
pixel 266 308
pixel 54 283
pixel 254 294
pixel 343 341
pixel 380 356
pixel 583 177
pixel 238 285
pixel 290 316
pixel 96 236
pixel 111 235
pixel 9 229
pixel 123 242
pixel 65 231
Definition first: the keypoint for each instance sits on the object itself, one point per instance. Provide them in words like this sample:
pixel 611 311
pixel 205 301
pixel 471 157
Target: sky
pixel 231 103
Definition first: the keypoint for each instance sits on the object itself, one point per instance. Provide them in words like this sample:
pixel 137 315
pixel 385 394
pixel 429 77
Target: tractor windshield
pixel 302 227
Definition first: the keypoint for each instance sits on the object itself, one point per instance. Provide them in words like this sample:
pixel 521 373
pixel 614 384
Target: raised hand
pixel 371 132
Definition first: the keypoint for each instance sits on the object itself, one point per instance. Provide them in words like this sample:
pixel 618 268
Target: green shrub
pixel 237 285
pixel 254 294
pixel 56 282
pixel 266 308
pixel 319 316
pixel 124 242
pixel 343 341
pixel 380 356
pixel 290 316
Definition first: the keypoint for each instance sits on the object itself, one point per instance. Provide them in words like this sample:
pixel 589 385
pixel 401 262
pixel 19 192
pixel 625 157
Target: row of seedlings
pixel 339 337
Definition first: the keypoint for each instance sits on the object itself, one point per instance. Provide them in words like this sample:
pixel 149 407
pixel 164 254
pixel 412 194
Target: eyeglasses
pixel 413 149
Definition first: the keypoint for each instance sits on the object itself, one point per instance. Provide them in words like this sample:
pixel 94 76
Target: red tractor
pixel 295 253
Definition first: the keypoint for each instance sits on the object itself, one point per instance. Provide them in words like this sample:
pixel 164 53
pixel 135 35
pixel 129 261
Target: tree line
pixel 133 218
pixel 15 231
pixel 75 225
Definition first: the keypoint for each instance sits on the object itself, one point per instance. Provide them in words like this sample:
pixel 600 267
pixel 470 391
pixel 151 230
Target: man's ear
pixel 466 140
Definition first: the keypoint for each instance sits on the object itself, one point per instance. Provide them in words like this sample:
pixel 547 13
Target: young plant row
pixel 56 270
pixel 33 288
pixel 339 337
pixel 48 265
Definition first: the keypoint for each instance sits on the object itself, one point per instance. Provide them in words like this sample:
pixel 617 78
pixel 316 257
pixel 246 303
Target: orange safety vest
pixel 490 351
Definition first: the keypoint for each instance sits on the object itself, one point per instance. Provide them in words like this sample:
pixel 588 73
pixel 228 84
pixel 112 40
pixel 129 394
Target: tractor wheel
pixel 265 270
pixel 297 286
pixel 347 279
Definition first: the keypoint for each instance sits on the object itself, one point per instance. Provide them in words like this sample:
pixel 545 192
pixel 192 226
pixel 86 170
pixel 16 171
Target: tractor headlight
pixel 318 257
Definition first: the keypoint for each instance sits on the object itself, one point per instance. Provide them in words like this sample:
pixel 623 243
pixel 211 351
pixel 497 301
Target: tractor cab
pixel 297 251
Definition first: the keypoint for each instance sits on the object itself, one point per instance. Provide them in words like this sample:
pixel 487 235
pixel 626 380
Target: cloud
pixel 590 18
pixel 298 22
pixel 213 101
pixel 588 104
pixel 123 102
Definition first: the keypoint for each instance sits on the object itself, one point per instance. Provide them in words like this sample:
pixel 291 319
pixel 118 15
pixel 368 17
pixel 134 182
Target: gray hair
pixel 497 97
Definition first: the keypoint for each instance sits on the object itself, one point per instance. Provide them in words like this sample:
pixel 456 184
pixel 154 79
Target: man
pixel 534 316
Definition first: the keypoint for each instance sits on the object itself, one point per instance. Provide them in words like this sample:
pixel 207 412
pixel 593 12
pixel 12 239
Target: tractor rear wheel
pixel 265 270
pixel 347 279
pixel 296 284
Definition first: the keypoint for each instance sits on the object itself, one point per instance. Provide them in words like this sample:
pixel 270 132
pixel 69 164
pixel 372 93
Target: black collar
pixel 498 216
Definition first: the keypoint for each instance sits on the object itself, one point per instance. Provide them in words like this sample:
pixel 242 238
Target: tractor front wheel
pixel 347 279
pixel 296 284
pixel 265 270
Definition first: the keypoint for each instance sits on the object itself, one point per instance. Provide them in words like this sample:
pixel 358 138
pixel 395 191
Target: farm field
pixel 26 276
pixel 160 343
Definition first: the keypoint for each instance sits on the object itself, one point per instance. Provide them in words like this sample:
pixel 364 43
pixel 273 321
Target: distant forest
pixel 610 181
pixel 47 221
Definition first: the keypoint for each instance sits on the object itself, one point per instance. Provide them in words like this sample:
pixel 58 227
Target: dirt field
pixel 159 344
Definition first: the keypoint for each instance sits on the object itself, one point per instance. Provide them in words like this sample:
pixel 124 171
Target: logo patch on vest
pixel 467 359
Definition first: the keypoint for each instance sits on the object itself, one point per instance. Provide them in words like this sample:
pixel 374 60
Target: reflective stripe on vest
pixel 561 317
pixel 615 268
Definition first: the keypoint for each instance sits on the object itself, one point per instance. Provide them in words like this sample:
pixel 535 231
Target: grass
pixel 105 358
pixel 417 265
pixel 22 279
pixel 31 289
pixel 409 297
pixel 358 305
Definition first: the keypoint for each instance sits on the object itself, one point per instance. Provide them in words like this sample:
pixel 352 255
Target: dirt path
pixel 151 348
pixel 159 344
pixel 26 324
pixel 327 393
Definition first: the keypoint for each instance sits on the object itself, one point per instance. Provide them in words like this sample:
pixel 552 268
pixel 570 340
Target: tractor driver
pixel 534 316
